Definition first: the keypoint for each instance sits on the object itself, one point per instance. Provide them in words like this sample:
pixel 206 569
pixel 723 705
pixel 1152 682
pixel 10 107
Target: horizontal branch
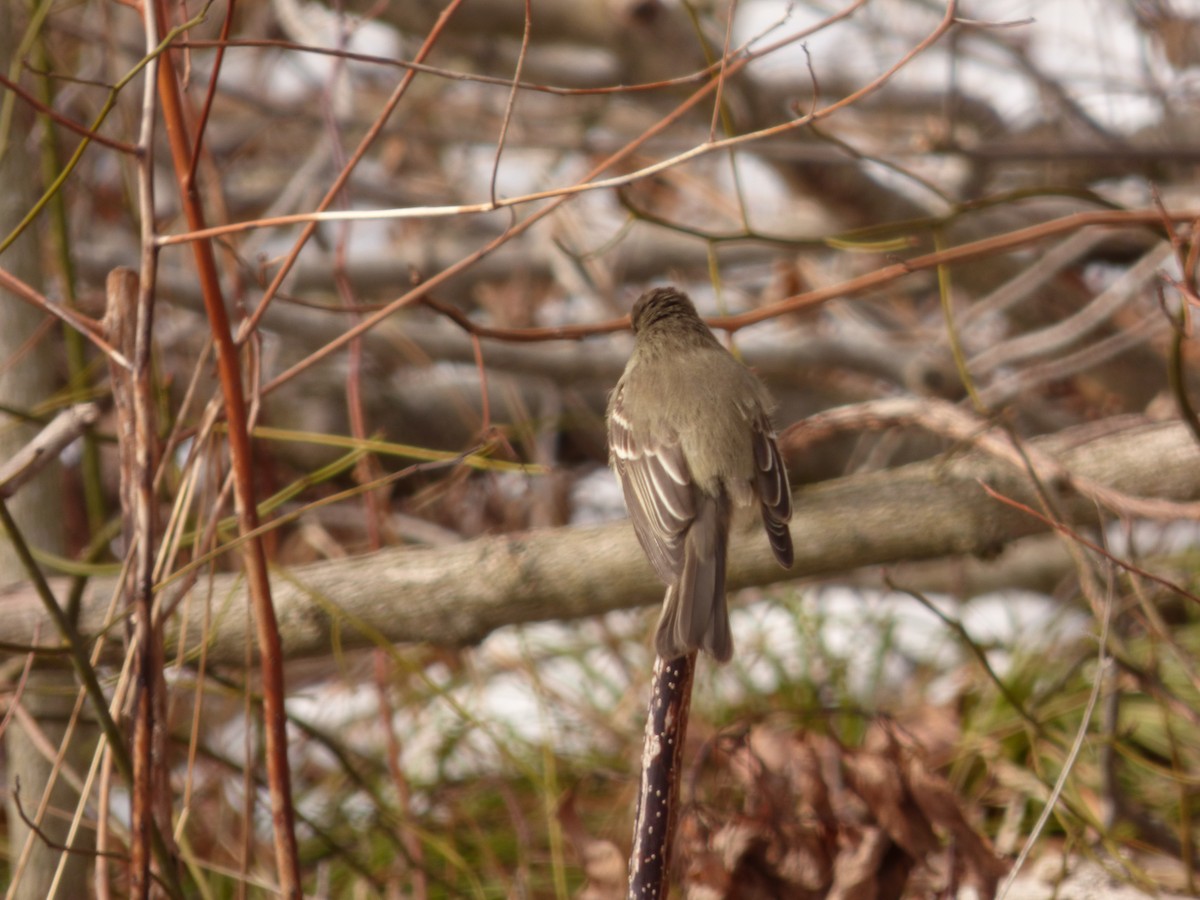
pixel 456 595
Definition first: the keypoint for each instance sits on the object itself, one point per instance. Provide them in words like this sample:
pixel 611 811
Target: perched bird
pixel 690 438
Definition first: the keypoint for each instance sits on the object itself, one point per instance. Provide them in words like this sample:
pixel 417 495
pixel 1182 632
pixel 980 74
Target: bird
pixel 690 438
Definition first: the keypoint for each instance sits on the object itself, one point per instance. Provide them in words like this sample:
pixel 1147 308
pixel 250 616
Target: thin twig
pixel 81 323
pixel 241 460
pixel 1091 545
pixel 512 101
pixel 1103 662
pixel 955 624
pixel 47 839
pixel 343 177
pixel 67 123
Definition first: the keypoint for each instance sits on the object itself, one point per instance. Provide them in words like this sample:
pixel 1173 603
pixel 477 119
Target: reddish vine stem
pixel 241 461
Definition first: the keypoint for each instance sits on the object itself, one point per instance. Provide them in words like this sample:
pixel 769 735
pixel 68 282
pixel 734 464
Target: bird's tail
pixel 695 615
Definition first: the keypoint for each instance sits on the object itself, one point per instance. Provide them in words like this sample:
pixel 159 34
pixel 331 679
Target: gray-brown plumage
pixel 690 437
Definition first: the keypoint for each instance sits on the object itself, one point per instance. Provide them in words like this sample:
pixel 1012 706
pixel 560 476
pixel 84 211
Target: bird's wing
pixel 658 489
pixel 774 493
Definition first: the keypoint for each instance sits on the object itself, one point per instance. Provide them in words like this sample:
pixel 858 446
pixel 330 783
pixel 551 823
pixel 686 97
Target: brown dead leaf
pixel 878 780
pixel 934 796
pixel 819 820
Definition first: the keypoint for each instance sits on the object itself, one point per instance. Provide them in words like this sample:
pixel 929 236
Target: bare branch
pixel 46 447
pixel 456 595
